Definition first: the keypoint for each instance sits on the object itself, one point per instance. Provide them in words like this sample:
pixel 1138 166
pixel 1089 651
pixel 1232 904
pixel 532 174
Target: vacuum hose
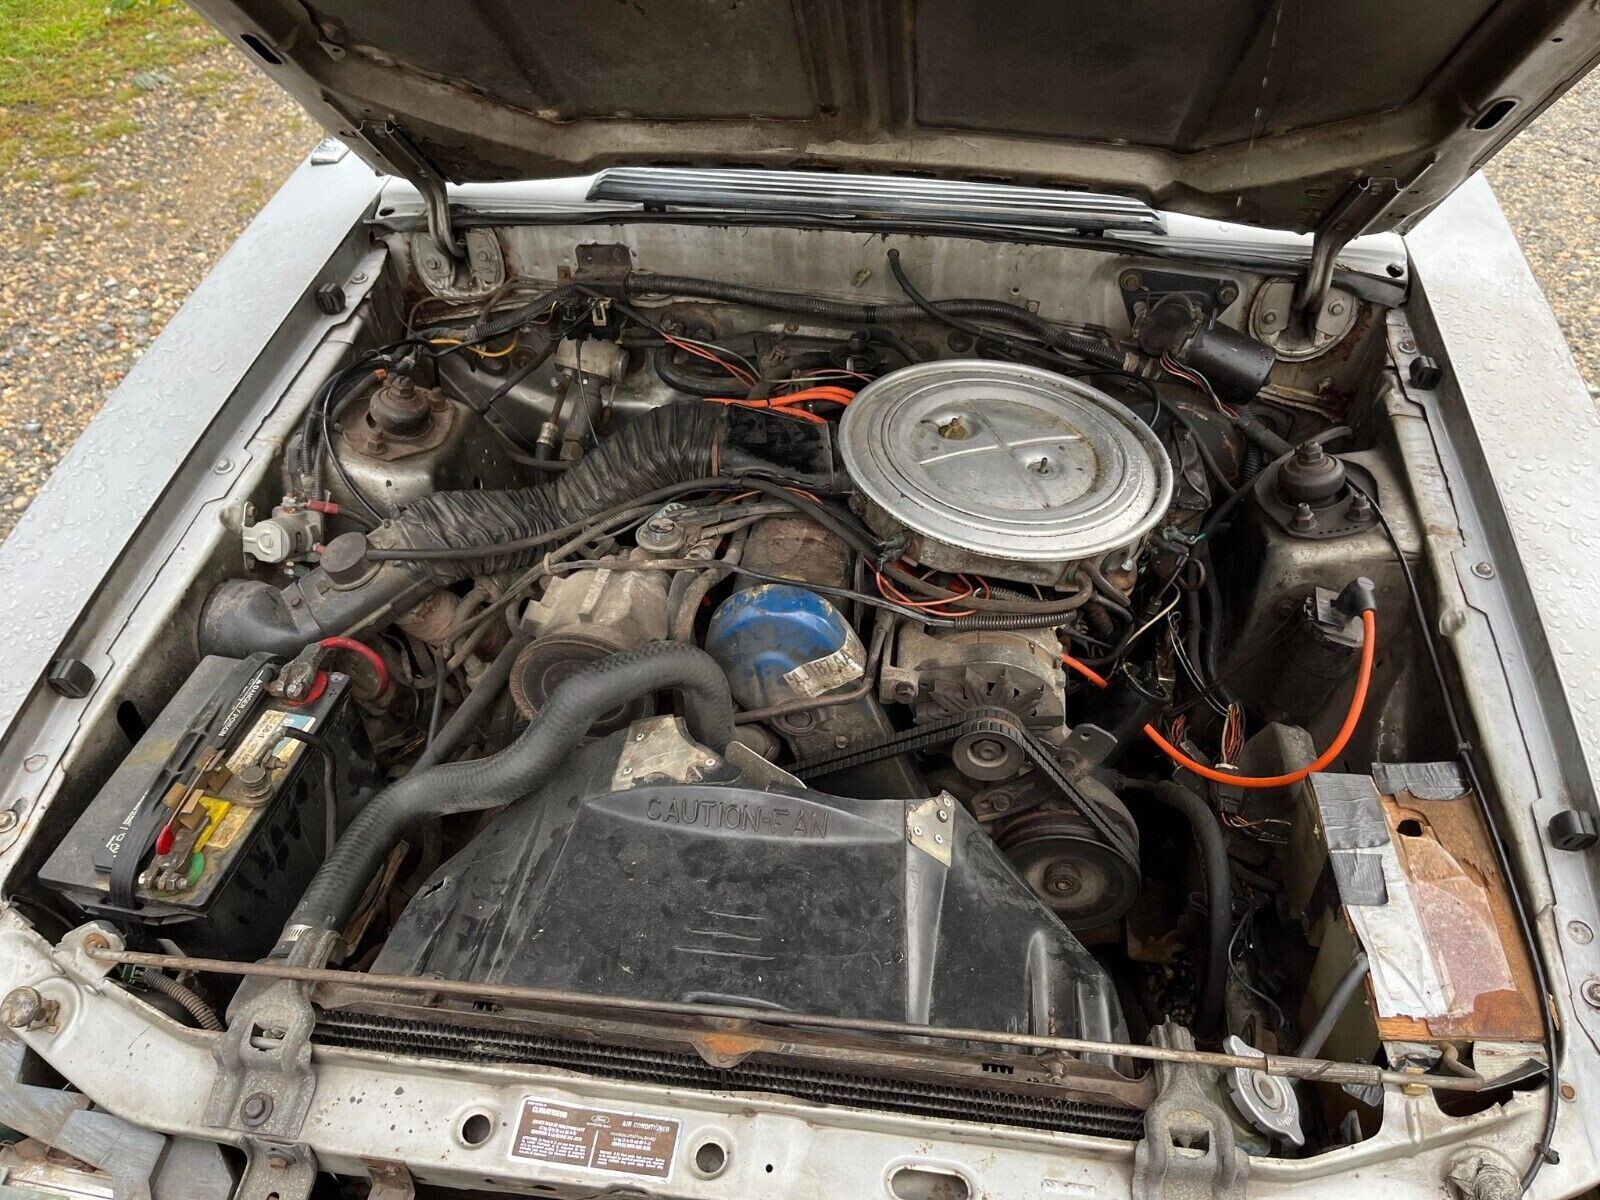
pixel 518 770
pixel 849 312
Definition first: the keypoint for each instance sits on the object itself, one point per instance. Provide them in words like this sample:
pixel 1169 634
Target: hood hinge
pixel 393 143
pixel 1362 204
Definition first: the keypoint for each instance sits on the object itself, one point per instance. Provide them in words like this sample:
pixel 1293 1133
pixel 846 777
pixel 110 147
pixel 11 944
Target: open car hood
pixel 1292 114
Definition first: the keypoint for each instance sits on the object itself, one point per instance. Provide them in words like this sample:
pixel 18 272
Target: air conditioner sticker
pixel 623 1143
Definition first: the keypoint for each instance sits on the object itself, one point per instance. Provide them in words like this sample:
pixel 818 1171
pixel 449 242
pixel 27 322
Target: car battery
pixel 211 828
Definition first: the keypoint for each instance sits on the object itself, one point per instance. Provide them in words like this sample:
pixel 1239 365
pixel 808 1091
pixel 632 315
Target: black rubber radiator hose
pixel 673 444
pixel 1213 847
pixel 517 771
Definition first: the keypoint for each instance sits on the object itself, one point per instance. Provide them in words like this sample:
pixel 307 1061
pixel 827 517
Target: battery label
pixel 266 745
pixel 624 1143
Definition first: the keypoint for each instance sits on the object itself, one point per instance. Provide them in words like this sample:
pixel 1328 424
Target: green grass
pixel 56 56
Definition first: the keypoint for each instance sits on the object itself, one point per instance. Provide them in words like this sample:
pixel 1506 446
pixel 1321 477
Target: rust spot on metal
pixel 1444 850
pixel 725 1050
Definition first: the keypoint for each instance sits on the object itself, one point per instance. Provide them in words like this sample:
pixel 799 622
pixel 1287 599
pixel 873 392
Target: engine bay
pixel 1041 664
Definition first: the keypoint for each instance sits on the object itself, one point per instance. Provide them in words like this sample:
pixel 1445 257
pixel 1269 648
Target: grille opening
pixel 951 1100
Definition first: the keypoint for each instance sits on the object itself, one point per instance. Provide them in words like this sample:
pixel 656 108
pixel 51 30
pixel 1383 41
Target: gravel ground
pixel 100 251
pixel 103 249
pixel 1548 181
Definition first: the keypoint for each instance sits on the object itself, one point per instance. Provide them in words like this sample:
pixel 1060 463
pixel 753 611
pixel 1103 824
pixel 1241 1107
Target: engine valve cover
pixel 1002 468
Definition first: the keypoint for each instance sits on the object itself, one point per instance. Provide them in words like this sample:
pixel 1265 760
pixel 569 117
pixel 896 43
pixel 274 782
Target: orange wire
pixel 738 373
pixel 797 491
pixel 1088 672
pixel 789 404
pixel 890 592
pixel 798 414
pixel 1352 718
pixel 835 395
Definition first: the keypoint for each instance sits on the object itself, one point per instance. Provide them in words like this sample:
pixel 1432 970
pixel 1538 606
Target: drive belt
pixel 989 722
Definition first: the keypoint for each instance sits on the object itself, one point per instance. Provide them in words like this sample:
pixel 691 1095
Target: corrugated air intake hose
pixel 363 579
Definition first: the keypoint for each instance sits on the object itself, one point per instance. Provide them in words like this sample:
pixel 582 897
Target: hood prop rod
pixel 1353 214
pixel 397 148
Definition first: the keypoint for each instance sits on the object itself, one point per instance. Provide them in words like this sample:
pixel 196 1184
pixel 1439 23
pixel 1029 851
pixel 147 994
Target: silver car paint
pixel 1529 685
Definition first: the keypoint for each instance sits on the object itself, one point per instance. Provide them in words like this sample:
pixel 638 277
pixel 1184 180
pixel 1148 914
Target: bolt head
pixel 22 1008
pixel 1063 879
pixel 1591 992
pixel 8 820
pixel 257 1107
pixel 1309 453
pixel 1483 570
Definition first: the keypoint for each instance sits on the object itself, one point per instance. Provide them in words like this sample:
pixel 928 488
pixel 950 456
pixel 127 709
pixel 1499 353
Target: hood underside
pixel 1296 114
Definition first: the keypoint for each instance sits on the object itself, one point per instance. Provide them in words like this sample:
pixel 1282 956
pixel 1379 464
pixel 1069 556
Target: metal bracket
pixel 1362 203
pixel 443 276
pixel 1188 1151
pixel 390 1180
pixel 264 1082
pixel 274 1172
pixel 929 825
pixel 660 750
pixel 393 143
pixel 1141 290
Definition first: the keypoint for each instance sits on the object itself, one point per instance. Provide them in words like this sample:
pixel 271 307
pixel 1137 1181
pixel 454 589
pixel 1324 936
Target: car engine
pixel 955 663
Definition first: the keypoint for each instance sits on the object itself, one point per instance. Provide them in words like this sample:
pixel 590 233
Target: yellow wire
pixel 474 349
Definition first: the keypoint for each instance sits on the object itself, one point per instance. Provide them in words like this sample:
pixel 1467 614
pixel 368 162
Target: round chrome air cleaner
pixel 1002 468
